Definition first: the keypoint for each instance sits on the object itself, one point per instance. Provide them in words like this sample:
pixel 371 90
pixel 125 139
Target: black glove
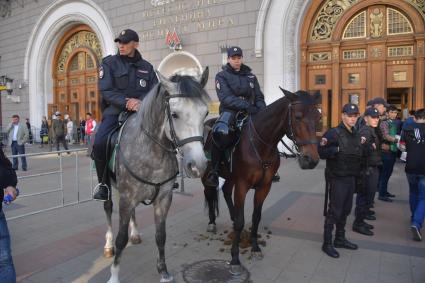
pixel 252 109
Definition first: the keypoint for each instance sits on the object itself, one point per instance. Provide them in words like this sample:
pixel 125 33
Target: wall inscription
pixel 184 16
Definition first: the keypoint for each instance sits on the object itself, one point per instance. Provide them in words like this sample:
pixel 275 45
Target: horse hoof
pixel 108 252
pixel 257 255
pixel 135 240
pixel 235 270
pixel 212 228
pixel 166 278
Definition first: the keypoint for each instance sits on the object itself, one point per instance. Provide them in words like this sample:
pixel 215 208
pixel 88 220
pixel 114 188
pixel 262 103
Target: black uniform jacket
pixel 7 175
pixel 121 77
pixel 343 151
pixel 238 90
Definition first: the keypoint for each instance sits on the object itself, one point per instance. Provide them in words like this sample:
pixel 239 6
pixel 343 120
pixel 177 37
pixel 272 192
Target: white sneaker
pixel 416 233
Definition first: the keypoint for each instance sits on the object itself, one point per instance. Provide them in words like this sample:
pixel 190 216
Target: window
pixel 400 51
pixel 74 64
pixel 89 62
pixel 320 79
pixel 354 54
pixel 353 98
pixel 397 23
pixel 356 27
pixel 354 78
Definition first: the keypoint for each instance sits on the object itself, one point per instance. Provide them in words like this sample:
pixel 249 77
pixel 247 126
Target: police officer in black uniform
pixel 370 171
pixel 342 149
pixel 124 80
pixel 238 90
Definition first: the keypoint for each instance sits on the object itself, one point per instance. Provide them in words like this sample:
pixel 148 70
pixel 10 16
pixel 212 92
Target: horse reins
pixel 176 143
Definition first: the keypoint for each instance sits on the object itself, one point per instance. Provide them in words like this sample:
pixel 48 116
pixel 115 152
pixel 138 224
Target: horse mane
pixel 152 109
pixel 190 87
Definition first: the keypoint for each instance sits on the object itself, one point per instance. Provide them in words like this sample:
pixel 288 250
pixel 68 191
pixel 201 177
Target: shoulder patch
pixel 217 84
pixel 101 72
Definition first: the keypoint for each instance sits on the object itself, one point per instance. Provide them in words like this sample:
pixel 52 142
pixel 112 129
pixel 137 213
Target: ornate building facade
pixel 348 50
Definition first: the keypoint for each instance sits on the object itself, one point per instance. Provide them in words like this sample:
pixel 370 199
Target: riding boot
pixel 212 178
pixel 342 242
pixel 327 246
pixel 103 189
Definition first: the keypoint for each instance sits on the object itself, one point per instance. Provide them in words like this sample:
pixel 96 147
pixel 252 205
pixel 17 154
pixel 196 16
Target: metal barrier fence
pixel 60 189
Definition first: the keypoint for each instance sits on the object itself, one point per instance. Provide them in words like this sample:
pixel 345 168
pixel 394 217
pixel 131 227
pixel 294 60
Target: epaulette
pixel 108 59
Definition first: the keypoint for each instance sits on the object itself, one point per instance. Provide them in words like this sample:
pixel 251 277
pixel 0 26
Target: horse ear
pixel 288 94
pixel 317 97
pixel 164 81
pixel 204 77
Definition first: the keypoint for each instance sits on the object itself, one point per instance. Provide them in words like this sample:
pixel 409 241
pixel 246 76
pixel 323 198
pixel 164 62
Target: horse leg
pixel 108 249
pixel 227 193
pixel 135 238
pixel 259 197
pixel 122 237
pixel 211 198
pixel 161 207
pixel 239 197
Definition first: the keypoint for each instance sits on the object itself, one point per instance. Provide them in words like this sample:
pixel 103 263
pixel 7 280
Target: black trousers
pixel 366 195
pixel 61 139
pixel 340 201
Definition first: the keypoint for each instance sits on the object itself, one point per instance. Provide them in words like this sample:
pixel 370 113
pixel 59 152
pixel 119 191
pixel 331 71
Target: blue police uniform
pixel 120 78
pixel 237 91
pixel 343 153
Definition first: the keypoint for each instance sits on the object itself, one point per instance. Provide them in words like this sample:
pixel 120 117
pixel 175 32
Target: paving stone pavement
pixel 66 244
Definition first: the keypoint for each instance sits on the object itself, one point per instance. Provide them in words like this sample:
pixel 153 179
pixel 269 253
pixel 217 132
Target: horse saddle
pixel 240 121
pixel 114 139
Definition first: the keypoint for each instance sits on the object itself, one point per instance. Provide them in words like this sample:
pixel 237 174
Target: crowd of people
pixel 360 155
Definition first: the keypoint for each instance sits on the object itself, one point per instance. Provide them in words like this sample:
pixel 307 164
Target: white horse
pixel 169 122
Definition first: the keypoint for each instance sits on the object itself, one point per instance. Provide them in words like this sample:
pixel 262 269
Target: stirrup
pixel 97 190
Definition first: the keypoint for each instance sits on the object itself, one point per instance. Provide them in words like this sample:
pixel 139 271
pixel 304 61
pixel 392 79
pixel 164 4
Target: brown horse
pixel 256 159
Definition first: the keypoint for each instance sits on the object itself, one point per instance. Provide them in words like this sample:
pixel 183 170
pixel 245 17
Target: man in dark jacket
pixel 124 80
pixel 238 90
pixel 8 182
pixel 413 141
pixel 342 149
pixel 58 131
pixel 370 171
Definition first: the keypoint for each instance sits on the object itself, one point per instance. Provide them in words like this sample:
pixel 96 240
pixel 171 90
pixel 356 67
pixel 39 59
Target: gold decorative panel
pixel 397 23
pixel 80 39
pixel 376 22
pixel 400 51
pixel 328 16
pixel 320 57
pixel 356 28
pixel 354 54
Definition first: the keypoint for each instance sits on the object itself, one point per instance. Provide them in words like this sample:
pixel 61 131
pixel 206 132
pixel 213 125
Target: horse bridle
pixel 175 141
pixel 291 136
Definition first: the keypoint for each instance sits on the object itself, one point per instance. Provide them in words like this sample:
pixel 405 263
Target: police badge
pixel 142 83
pixel 101 73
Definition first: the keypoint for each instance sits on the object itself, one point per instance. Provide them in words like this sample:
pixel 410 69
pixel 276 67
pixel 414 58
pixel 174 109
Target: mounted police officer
pixel 238 91
pixel 342 149
pixel 124 80
pixel 370 173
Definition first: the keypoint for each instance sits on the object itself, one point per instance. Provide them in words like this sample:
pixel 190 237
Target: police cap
pixel 372 112
pixel 378 100
pixel 126 36
pixel 350 108
pixel 234 51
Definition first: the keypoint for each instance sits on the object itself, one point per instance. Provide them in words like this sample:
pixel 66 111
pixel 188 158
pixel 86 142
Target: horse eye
pixel 298 115
pixel 174 115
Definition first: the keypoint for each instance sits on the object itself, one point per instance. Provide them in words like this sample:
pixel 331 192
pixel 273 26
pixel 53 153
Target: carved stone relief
pixel 376 23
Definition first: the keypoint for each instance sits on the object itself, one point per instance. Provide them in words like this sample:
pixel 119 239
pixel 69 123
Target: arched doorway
pixel 74 72
pixel 352 51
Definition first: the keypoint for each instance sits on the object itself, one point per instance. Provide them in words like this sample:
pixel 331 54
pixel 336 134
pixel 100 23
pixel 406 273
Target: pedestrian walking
pixel 18 136
pixel 58 131
pixel 413 141
pixel 44 131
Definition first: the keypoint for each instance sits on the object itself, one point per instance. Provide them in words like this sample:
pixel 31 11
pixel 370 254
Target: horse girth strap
pixel 141 180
